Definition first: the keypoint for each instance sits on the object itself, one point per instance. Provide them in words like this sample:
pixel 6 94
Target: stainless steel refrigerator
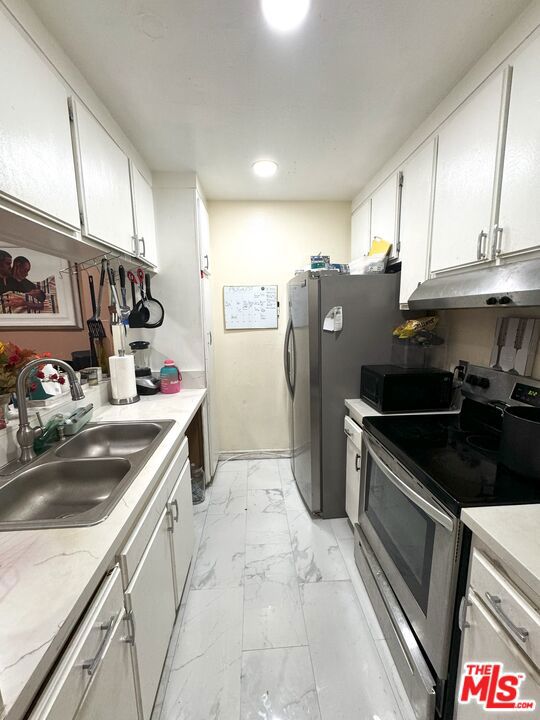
pixel 322 368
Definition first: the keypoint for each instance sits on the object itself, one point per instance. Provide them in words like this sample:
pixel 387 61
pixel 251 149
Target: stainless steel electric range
pixel 412 550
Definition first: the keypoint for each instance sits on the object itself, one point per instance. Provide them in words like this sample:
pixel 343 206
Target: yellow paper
pixel 379 246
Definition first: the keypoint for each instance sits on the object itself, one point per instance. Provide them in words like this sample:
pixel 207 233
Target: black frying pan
pixel 155 308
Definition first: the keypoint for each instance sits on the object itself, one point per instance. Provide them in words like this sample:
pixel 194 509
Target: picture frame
pixel 38 294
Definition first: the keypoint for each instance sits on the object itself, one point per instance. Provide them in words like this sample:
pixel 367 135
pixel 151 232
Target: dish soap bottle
pixel 170 378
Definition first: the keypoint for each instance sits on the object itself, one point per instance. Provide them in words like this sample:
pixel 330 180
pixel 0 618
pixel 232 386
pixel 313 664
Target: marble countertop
pixel 512 532
pixel 47 577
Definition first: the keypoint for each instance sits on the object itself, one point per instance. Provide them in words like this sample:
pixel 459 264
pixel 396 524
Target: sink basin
pixel 110 440
pixel 79 482
pixel 61 489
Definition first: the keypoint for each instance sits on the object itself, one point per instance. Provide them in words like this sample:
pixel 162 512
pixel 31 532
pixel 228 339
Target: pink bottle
pixel 170 378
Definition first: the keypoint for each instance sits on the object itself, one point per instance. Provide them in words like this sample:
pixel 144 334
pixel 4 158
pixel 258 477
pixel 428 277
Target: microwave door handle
pixel 433 512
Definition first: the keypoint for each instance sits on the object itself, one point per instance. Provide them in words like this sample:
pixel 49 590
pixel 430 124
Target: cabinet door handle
pixel 496 603
pixel 356 459
pixel 497 242
pixel 462 623
pixel 177 513
pixel 130 619
pixel 207 262
pixel 480 253
pixel 143 243
pixel 92 665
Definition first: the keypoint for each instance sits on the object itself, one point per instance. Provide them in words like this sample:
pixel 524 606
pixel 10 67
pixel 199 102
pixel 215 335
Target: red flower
pixel 46 355
pixel 13 359
pixel 61 380
pixel 33 386
pixel 54 376
pixel 40 374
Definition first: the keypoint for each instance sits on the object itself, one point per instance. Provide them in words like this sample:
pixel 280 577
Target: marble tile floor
pixel 275 623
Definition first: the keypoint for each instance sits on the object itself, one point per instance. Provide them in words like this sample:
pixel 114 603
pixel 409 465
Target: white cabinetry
pixel 143 217
pixel 151 606
pixel 203 235
pixel 385 210
pixel 182 532
pixel 361 230
pixel 111 693
pixel 104 182
pixel 519 217
pixel 353 469
pixel 466 166
pixel 36 158
pixel 499 624
pixel 416 198
pixel 95 669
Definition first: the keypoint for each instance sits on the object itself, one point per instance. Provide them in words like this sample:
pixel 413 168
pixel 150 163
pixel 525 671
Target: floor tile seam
pixel 275 647
pixel 300 594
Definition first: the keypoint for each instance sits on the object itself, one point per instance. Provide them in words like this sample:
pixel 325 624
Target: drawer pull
pixel 496 603
pixel 174 504
pixel 92 665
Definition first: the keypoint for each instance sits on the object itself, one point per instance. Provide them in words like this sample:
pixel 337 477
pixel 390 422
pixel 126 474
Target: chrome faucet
pixel 26 434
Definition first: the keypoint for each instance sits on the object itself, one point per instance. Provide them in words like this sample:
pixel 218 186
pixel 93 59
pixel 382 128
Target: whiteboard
pixel 250 307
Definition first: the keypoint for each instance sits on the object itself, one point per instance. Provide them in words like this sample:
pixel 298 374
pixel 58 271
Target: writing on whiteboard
pixel 250 307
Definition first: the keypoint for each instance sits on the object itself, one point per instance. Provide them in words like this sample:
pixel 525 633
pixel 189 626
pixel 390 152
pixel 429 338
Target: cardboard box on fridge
pixel 515 343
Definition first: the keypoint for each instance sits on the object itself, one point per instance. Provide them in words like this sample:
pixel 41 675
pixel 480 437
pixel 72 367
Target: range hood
pixel 516 284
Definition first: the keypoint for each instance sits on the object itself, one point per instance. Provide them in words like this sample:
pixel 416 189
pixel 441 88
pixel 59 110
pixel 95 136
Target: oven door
pixel 416 542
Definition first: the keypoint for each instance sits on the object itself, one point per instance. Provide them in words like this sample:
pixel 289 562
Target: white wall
pixel 262 243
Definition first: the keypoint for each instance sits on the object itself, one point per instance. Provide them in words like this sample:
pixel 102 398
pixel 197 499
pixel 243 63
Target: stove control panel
pixel 527 394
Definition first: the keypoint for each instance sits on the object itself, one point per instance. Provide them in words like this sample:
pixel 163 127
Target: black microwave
pixel 390 388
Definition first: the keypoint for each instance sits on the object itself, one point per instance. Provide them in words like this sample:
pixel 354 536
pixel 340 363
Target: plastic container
pixel 198 484
pixel 170 378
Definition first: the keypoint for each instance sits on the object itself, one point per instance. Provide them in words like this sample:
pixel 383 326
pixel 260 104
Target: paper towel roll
pixel 123 384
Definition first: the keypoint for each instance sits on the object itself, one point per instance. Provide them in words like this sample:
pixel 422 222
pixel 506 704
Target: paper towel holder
pixel 128 400
pixel 125 401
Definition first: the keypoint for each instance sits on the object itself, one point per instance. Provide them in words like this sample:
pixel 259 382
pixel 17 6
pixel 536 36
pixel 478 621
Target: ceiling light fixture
pixel 265 168
pixel 285 15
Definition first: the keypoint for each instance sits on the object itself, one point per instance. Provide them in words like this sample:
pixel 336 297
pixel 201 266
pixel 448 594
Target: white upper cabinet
pixel 385 204
pixel 104 183
pixel 466 164
pixel 361 230
pixel 36 158
pixel 519 216
pixel 143 214
pixel 416 196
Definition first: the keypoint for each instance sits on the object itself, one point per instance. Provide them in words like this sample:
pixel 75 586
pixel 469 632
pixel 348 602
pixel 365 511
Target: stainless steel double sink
pixel 80 480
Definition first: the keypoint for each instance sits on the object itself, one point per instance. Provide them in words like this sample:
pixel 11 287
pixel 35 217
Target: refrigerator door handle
pixel 286 357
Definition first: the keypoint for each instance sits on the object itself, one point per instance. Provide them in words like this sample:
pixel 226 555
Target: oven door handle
pixel 434 513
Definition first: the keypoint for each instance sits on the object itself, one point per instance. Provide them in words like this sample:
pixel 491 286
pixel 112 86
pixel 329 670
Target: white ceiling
pixel 205 85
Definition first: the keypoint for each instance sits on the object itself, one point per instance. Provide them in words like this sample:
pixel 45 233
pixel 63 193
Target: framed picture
pixel 34 293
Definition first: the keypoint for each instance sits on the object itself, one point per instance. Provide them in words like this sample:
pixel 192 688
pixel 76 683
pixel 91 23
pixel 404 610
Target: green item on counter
pixel 49 436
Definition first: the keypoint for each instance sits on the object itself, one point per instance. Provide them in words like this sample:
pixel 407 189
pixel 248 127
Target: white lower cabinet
pixel 353 468
pixel 111 693
pixel 499 624
pixel 112 667
pixel 182 532
pixel 150 602
pixel 94 678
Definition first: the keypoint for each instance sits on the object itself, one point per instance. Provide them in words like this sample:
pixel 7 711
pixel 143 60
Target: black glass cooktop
pixel 455 456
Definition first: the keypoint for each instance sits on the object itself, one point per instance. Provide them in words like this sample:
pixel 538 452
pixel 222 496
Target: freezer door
pixel 302 291
pixel 370 312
